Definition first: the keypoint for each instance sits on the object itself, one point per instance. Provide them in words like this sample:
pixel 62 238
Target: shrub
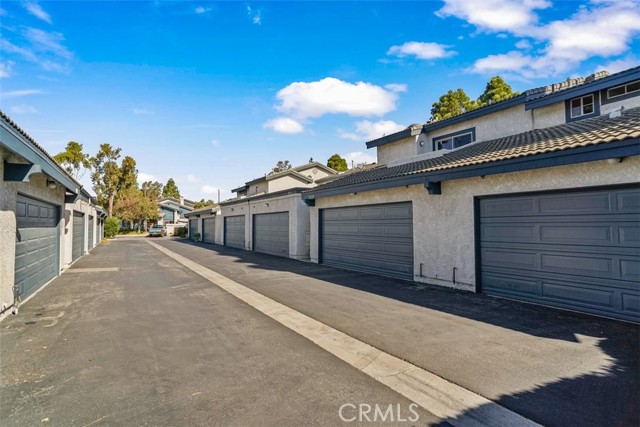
pixel 111 227
pixel 181 231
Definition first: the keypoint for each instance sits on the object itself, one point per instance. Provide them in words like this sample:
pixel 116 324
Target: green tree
pixel 337 163
pixel 171 189
pixel 128 174
pixel 451 104
pixel 127 204
pixel 281 166
pixel 111 227
pixel 149 210
pixel 496 90
pixel 73 160
pixel 106 175
pixel 203 204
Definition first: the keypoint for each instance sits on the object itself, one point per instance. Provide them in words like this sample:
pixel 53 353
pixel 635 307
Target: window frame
pixel 569 110
pixel 452 136
pixel 606 99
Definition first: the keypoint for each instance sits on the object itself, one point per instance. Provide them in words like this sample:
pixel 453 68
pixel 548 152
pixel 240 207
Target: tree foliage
pixel 128 174
pixel 203 204
pixel 111 227
pixel 451 104
pixel 496 90
pixel 106 175
pixel 337 163
pixel 73 160
pixel 281 166
pixel 171 189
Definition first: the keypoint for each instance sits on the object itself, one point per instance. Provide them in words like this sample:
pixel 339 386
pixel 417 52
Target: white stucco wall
pixel 401 149
pixel 35 188
pixel 298 221
pixel 443 225
pixel 67 233
pixel 284 183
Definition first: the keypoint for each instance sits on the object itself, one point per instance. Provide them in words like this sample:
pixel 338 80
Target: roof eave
pixel 602 151
pixel 16 143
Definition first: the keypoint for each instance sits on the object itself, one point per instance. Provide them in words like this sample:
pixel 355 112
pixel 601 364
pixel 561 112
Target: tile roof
pixel 587 132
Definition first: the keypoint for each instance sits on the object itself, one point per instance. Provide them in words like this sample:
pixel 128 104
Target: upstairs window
pixel 623 89
pixel 582 106
pixel 449 142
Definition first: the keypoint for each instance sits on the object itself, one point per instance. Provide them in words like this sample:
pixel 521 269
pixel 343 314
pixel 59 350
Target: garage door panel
pixel 77 244
pixel 631 304
pixel 374 238
pixel 271 233
pixel 581 251
pixel 234 231
pixel 36 250
pixel 209 230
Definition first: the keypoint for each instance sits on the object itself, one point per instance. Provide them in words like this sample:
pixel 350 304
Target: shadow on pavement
pixel 607 398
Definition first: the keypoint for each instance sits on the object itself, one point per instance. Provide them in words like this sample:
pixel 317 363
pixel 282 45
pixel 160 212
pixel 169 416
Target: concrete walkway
pixel 554 367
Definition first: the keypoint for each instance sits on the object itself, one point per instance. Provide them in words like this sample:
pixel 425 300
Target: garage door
pixel 91 225
pixel 36 244
pixel 209 230
pixel 77 245
pixel 234 231
pixel 271 233
pixel 193 228
pixel 375 238
pixel 579 250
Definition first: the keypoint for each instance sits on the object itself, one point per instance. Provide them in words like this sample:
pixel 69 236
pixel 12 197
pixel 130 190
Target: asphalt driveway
pixel 130 337
pixel 554 367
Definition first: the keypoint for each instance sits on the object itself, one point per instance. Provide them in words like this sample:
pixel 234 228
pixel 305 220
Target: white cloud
pixel 6 69
pixel 23 92
pixel 359 157
pixel 42 48
pixel 495 15
pixel 143 177
pixel 200 10
pixel 255 15
pixel 421 50
pixel 513 60
pixel 142 112
pixel 284 125
pixel 367 130
pixel 192 179
pixel 36 10
pixel 396 87
pixel 48 41
pixel 23 109
pixel 302 100
pixel 215 143
pixel 209 189
pixel 625 63
pixel 602 29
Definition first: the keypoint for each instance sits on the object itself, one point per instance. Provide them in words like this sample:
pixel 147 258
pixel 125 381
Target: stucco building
pixel 535 198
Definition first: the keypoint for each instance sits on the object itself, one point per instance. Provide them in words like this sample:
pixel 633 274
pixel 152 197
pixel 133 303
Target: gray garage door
pixel 209 230
pixel 193 228
pixel 271 233
pixel 579 250
pixel 375 238
pixel 36 244
pixel 234 231
pixel 91 225
pixel 77 244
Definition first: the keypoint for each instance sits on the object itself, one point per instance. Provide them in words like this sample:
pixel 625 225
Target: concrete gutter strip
pixel 442 398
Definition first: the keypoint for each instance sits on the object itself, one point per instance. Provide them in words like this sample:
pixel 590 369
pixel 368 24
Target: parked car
pixel 157 231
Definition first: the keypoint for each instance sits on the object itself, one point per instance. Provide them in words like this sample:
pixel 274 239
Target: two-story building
pixel 268 215
pixel 172 212
pixel 535 198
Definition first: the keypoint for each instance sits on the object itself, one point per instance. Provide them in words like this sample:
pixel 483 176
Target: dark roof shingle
pixel 597 130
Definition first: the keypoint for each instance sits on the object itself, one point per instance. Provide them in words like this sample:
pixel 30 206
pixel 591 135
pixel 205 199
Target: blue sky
pixel 213 94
